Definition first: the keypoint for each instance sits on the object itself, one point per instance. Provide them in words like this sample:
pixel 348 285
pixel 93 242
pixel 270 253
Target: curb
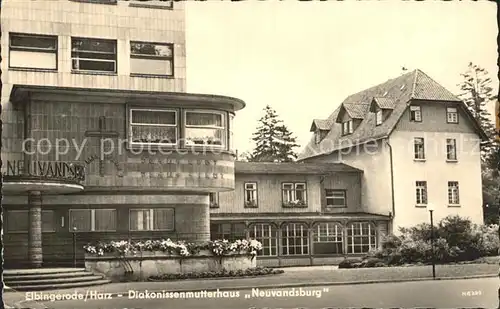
pixel 312 284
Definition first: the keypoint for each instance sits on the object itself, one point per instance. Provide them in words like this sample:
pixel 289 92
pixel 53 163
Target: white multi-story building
pixel 417 144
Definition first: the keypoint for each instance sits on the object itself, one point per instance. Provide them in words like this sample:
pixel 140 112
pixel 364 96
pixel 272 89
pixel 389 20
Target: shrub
pixel 350 263
pixel 456 239
pixel 371 262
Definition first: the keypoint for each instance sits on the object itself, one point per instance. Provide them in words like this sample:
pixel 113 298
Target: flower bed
pixel 250 272
pixel 120 260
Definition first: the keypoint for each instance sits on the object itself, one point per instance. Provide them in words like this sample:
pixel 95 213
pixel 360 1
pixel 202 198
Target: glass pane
pixel 33 42
pixel 89 65
pixel 92 56
pixel 93 45
pixel 154 135
pixel 150 49
pixel 17 221
pixel 28 59
pixel 204 136
pixel 163 219
pixel 48 222
pixel 105 220
pixel 150 66
pixel 80 219
pixel 154 117
pixel 139 220
pixel 204 119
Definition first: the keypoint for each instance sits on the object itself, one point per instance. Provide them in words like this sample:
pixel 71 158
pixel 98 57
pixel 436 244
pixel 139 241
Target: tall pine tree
pixel 273 140
pixel 477 93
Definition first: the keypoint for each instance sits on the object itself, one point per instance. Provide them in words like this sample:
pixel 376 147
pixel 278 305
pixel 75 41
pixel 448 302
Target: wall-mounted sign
pixel 45 169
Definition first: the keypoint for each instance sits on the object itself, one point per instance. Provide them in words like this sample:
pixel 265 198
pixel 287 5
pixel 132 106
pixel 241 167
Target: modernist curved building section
pixel 151 160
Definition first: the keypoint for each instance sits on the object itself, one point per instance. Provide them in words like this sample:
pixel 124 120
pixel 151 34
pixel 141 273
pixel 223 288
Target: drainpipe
pixel 392 179
pixel 27 133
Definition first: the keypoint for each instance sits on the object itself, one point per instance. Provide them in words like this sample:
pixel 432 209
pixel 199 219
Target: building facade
pixel 100 139
pixel 303 214
pixel 417 144
pixel 102 142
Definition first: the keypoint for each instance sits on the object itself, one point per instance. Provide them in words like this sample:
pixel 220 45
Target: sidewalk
pixel 293 277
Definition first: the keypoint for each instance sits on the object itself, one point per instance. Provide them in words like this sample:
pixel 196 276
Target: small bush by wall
pixel 251 272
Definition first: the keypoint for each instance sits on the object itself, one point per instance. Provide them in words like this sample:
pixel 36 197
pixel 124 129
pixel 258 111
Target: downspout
pixel 27 134
pixel 392 179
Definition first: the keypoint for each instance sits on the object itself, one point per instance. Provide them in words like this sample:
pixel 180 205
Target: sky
pixel 305 58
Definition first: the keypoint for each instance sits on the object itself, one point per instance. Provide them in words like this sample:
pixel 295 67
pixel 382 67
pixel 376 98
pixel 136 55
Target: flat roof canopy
pixel 23 93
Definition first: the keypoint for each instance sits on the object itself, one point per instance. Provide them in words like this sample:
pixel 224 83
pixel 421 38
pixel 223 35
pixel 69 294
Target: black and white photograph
pixel 271 154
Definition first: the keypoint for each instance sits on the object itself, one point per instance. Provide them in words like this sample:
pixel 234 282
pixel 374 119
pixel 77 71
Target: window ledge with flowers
pixel 295 203
pixel 144 259
pixel 251 203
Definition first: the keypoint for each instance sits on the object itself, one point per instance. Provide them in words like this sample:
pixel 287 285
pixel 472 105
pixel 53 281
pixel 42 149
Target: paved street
pixel 440 294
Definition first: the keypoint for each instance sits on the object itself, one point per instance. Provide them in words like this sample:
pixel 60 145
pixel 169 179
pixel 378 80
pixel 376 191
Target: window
pixel 250 194
pixel 453 193
pixel 214 199
pixel 295 239
pixel 415 113
pixel 92 220
pixel 336 198
pixel 17 221
pixel 151 58
pixel 97 1
pixel 347 127
pixel 28 51
pixel 419 148
pixel 361 237
pixel 267 235
pixel 421 192
pixel 294 194
pixel 152 219
pixel 379 117
pixel 228 231
pixel 205 128
pixel 317 136
pixel 451 149
pixel 231 132
pixel 153 127
pixel 93 55
pixel 452 115
pixel 328 239
pixel 161 4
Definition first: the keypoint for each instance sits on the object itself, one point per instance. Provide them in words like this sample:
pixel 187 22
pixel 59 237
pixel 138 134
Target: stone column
pixel 35 254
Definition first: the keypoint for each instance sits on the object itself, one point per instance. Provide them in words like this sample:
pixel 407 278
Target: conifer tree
pixel 477 93
pixel 273 140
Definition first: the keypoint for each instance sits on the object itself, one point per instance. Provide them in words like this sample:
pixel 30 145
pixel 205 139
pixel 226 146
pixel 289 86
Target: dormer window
pixel 415 113
pixel 379 117
pixel 317 137
pixel 347 127
pixel 452 115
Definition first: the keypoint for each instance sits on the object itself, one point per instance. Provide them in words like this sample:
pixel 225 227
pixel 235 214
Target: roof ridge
pixel 414 84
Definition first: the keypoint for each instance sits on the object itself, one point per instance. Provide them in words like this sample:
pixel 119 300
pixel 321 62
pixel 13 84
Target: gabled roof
pixel 382 103
pixel 320 124
pixel 264 168
pixel 355 111
pixel 400 91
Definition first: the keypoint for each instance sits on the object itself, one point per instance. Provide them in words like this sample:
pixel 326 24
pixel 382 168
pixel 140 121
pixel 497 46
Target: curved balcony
pixel 133 140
